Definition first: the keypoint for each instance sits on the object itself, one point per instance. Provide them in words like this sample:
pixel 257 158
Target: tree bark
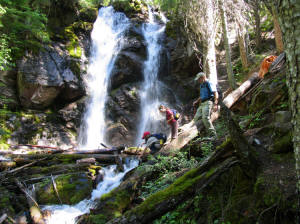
pixel 277 30
pixel 210 67
pixel 231 80
pixel 288 12
pixel 242 46
pixel 256 9
pixel 238 93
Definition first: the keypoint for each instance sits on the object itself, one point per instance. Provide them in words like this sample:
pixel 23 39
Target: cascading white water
pixel 107 37
pixel 153 33
pixel 66 214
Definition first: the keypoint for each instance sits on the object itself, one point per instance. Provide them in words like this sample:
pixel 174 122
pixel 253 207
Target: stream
pixel 66 214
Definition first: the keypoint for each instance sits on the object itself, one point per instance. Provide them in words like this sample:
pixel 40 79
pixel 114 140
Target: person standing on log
pixel 170 120
pixel 208 101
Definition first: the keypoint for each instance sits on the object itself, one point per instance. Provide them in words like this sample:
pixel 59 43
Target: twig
pixel 20 185
pixel 55 188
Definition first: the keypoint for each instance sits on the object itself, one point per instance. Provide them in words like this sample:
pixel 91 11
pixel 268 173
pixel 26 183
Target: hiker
pixel 170 117
pixel 154 141
pixel 208 100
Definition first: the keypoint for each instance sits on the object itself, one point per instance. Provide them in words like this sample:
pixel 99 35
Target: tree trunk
pixel 290 23
pixel 242 47
pixel 239 92
pixel 210 51
pixel 277 30
pixel 256 10
pixel 231 80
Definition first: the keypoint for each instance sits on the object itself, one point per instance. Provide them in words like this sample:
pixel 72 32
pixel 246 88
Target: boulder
pixel 42 78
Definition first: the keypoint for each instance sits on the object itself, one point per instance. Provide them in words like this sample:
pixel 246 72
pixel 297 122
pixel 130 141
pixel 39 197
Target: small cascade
pixel 107 39
pixel 66 214
pixel 150 94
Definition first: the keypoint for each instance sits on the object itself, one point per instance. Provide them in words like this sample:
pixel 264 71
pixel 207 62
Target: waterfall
pixel 107 38
pixel 151 91
pixel 66 214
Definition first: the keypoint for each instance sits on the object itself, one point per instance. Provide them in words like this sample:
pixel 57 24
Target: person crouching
pixel 154 142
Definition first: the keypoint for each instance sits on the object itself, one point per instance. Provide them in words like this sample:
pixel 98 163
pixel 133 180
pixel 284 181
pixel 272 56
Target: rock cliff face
pixel 53 78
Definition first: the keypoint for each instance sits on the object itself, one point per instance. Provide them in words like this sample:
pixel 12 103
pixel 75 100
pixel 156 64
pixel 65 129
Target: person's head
pixel 162 108
pixel 146 135
pixel 200 77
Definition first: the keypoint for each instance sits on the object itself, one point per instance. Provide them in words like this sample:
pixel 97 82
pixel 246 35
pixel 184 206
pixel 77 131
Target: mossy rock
pixel 88 14
pixel 130 8
pixel 282 144
pixel 72 188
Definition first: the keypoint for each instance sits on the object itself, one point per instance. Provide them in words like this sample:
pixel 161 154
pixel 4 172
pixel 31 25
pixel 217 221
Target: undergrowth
pixel 168 168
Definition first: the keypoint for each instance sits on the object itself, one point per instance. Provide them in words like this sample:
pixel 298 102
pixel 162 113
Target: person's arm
pixel 196 101
pixel 171 118
pixel 216 100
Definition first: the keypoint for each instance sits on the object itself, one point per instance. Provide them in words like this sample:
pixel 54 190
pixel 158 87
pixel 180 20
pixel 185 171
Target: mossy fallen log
pixel 119 200
pixel 66 158
pixel 184 187
pixel 114 203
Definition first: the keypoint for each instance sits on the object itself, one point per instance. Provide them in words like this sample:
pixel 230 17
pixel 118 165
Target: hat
pixel 145 134
pixel 200 74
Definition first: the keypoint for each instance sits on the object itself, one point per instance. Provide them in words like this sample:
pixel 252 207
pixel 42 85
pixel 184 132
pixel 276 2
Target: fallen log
pixel 188 132
pixel 124 195
pixel 102 158
pixel 20 168
pixel 235 95
pixel 97 151
pixel 159 203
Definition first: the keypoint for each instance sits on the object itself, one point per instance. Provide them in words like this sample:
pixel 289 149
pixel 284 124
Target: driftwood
pixel 35 211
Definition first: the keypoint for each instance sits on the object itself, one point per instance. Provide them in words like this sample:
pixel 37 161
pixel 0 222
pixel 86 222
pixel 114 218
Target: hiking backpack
pixel 160 136
pixel 176 114
pixel 220 93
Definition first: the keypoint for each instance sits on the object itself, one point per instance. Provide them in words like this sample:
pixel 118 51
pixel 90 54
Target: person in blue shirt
pixel 208 101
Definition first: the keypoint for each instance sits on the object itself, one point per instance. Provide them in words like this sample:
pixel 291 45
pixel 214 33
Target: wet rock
pixel 122 114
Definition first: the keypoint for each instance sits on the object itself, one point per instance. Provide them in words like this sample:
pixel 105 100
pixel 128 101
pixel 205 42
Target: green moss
pixel 283 144
pixel 180 186
pixel 97 219
pixel 73 43
pixel 210 172
pixel 71 188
